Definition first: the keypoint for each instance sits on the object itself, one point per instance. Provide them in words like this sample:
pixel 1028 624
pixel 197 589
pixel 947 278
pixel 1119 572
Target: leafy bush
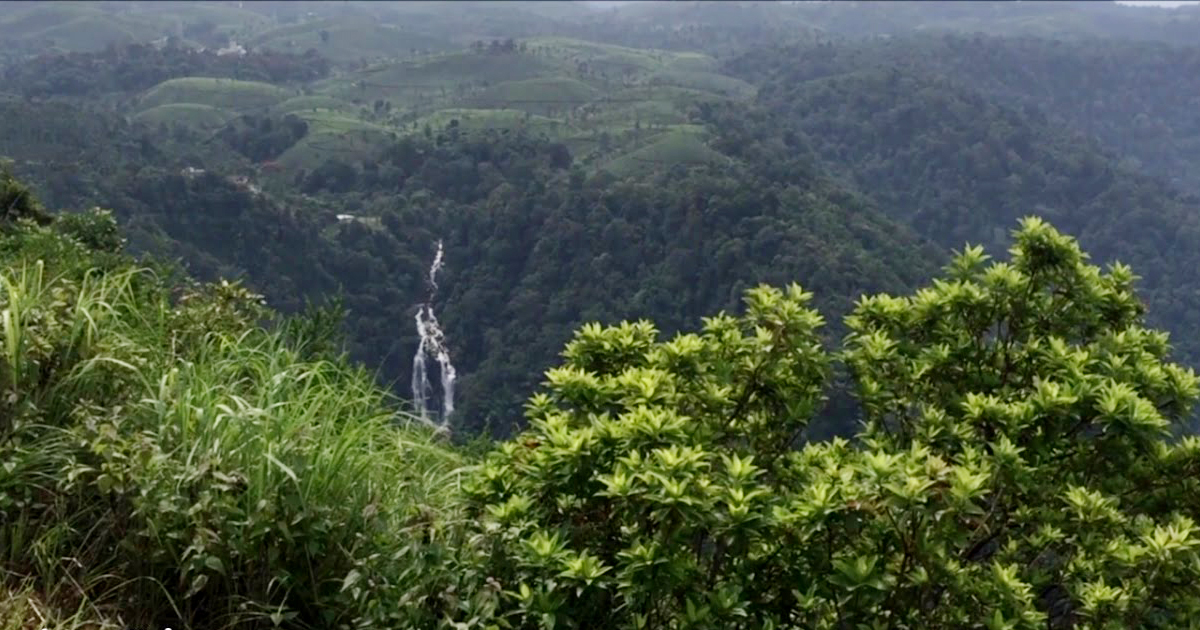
pixel 1014 470
pixel 16 202
pixel 644 486
pixel 96 229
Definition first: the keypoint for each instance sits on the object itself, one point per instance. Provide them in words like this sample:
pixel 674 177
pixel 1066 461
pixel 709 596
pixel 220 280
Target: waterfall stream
pixel 432 346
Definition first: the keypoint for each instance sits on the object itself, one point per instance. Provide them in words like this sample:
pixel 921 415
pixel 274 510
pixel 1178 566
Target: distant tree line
pixel 136 67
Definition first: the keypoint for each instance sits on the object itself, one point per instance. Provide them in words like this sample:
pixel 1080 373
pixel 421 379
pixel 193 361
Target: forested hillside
pixel 1137 99
pixel 943 159
pixel 642 172
pixel 534 248
pixel 1053 20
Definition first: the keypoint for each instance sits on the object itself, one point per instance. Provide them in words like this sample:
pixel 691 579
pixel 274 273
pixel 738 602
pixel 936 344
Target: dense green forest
pixel 560 172
pixel 1136 98
pixel 944 160
pixel 349 197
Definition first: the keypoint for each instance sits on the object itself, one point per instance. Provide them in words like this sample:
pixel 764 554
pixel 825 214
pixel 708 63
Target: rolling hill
pixel 203 117
pixel 678 147
pixel 227 94
pixel 958 167
pixel 350 40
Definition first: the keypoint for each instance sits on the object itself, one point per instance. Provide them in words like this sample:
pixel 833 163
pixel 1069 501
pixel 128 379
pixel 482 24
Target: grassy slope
pixel 229 94
pixel 349 40
pixel 185 424
pixel 334 134
pixel 408 83
pixel 681 146
pixel 301 103
pixel 574 89
pixel 473 120
pixel 190 114
pixel 535 95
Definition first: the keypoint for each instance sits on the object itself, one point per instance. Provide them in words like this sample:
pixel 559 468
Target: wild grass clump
pixel 168 460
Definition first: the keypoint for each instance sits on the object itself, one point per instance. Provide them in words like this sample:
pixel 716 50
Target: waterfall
pixel 432 345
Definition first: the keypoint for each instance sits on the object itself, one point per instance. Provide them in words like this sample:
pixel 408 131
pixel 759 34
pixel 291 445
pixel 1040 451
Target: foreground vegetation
pixel 168 460
pixel 175 454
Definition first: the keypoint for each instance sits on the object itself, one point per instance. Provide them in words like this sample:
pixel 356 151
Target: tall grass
pixel 173 463
pixel 22 608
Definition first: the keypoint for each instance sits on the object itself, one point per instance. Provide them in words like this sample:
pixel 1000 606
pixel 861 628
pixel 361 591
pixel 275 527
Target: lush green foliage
pixel 927 150
pixel 513 211
pixel 1136 98
pixel 1014 468
pixel 178 463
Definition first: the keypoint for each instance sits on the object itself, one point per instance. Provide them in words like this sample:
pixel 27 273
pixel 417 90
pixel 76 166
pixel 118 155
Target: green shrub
pixel 17 202
pixel 650 470
pixel 96 229
pixel 1014 471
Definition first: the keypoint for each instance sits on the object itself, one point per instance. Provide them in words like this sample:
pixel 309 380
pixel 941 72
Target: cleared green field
pixel 647 105
pixel 606 62
pixel 350 39
pixel 705 81
pixel 539 96
pixel 438 77
pixel 678 96
pixel 615 60
pixel 88 33
pixel 330 121
pixel 190 114
pixel 350 146
pixel 229 94
pixel 676 147
pixel 649 112
pixel 298 104
pixel 476 120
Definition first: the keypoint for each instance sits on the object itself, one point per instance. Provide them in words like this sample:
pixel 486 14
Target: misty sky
pixel 1158 3
pixel 1136 3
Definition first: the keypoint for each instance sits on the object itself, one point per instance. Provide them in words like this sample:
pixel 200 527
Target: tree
pixel 17 202
pixel 1014 470
pixel 646 477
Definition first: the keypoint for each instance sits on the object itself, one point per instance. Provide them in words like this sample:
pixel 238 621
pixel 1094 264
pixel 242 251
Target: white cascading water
pixel 432 345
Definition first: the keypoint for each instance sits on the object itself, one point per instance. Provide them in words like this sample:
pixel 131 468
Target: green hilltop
pixel 227 94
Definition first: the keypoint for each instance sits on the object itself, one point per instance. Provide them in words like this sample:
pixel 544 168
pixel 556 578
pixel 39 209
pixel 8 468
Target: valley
pixel 540 137
pixel 670 315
